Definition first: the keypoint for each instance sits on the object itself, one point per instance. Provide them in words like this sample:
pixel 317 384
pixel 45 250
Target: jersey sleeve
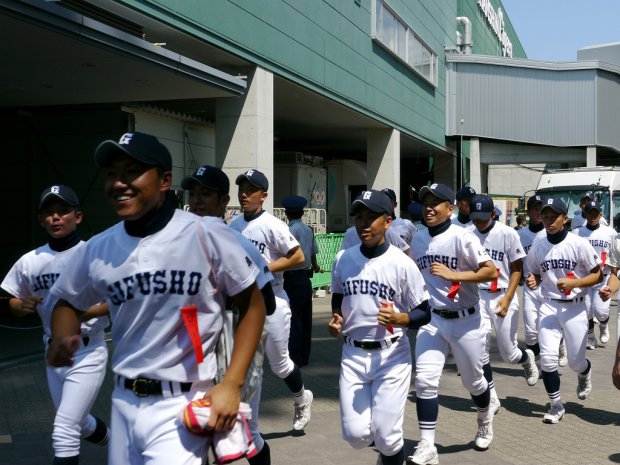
pixel 16 281
pixel 472 250
pixel 532 260
pixel 283 238
pixel 234 269
pixel 514 246
pixel 614 252
pixel 413 287
pixel 588 256
pixel 264 275
pixel 74 284
pixel 336 282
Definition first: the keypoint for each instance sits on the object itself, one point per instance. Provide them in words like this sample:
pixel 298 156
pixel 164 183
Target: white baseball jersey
pixel 351 238
pixel 527 236
pixel 366 282
pixel 456 222
pixel 553 261
pixel 404 228
pixel 147 280
pixel 271 237
pixel 504 247
pixel 264 275
pixel 35 273
pixel 614 253
pixel 459 250
pixel 601 239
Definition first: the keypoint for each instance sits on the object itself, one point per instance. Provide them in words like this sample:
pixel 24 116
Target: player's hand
pixel 225 398
pixel 502 307
pixel 605 293
pixel 564 284
pixel 335 325
pixel 441 270
pixel 316 269
pixel 61 350
pixel 386 315
pixel 531 281
pixel 615 374
pixel 29 304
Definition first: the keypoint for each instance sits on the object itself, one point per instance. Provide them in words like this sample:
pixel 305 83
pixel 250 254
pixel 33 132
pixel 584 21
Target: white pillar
pixel 591 156
pixel 383 160
pixel 475 168
pixel 244 132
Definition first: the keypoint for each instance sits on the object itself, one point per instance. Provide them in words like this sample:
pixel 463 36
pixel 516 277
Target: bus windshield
pixel 572 197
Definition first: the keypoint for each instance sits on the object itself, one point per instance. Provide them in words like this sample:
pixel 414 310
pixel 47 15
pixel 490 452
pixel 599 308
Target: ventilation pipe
pixel 465 39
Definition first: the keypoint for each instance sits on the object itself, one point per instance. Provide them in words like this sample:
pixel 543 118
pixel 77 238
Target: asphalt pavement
pixel 587 434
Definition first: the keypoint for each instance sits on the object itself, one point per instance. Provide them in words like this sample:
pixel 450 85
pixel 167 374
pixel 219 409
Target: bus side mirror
pixel 522 203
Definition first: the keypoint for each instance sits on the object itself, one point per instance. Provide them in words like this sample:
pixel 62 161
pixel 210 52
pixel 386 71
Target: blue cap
pixel 209 177
pixel 438 190
pixel 557 205
pixel 465 193
pixel 294 203
pixel 254 177
pixel 481 207
pixel 592 205
pixel 375 201
pixel 587 195
pixel 415 210
pixel 144 148
pixel 533 200
pixel 498 212
pixel 64 193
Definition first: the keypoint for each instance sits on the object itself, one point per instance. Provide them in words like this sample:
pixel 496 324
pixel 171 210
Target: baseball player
pixel 415 211
pixel 499 309
pixel 605 294
pixel 73 389
pixel 534 231
pixel 297 284
pixel 579 217
pixel 601 238
pixel 376 290
pixel 351 238
pixel 209 195
pixel 562 265
pixel 403 227
pixel 165 275
pixel 282 252
pixel 463 198
pixel 452 262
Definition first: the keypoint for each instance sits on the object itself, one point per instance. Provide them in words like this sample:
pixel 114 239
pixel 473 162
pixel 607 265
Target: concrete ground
pixel 587 435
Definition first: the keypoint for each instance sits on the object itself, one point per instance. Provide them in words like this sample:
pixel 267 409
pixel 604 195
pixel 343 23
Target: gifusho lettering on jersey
pixel 155 282
pixel 426 260
pixel 259 245
pixel 496 255
pixel 369 287
pixel 44 281
pixel 599 243
pixel 557 264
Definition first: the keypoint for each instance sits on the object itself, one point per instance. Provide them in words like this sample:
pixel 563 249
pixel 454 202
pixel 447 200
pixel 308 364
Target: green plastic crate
pixel 329 245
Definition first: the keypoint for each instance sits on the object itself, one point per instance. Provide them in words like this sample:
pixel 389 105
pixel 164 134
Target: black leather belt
pixel 491 291
pixel 451 314
pixel 144 387
pixel 569 301
pixel 371 345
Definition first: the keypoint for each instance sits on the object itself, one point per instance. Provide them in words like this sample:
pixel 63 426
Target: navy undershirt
pixel 557 237
pixel 440 228
pixel 152 222
pixel 536 227
pixel 64 243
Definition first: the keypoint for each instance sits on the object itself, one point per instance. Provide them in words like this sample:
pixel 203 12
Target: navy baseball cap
pixel 557 205
pixel 254 177
pixel 533 200
pixel 415 210
pixel 465 193
pixel 64 193
pixel 375 201
pixel 209 177
pixel 142 147
pixel 481 207
pixel 498 212
pixel 294 203
pixel 438 190
pixel 593 205
pixel 390 193
pixel 587 195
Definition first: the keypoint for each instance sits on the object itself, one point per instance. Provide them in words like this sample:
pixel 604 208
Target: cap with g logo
pixel 557 205
pixel 254 177
pixel 64 193
pixel 438 190
pixel 142 147
pixel 533 200
pixel 376 201
pixel 209 177
pixel 592 205
pixel 481 207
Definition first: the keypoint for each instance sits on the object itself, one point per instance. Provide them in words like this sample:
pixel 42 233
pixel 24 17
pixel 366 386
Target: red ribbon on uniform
pixel 456 285
pixel 494 282
pixel 569 275
pixel 190 318
pixel 603 258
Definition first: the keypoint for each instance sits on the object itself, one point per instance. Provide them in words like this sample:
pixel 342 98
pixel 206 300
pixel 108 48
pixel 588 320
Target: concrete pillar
pixel 244 132
pixel 475 167
pixel 591 156
pixel 383 160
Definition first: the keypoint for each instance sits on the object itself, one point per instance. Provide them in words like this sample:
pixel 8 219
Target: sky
pixel 553 30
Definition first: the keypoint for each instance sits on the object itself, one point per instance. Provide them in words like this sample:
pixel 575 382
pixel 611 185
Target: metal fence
pixel 329 245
